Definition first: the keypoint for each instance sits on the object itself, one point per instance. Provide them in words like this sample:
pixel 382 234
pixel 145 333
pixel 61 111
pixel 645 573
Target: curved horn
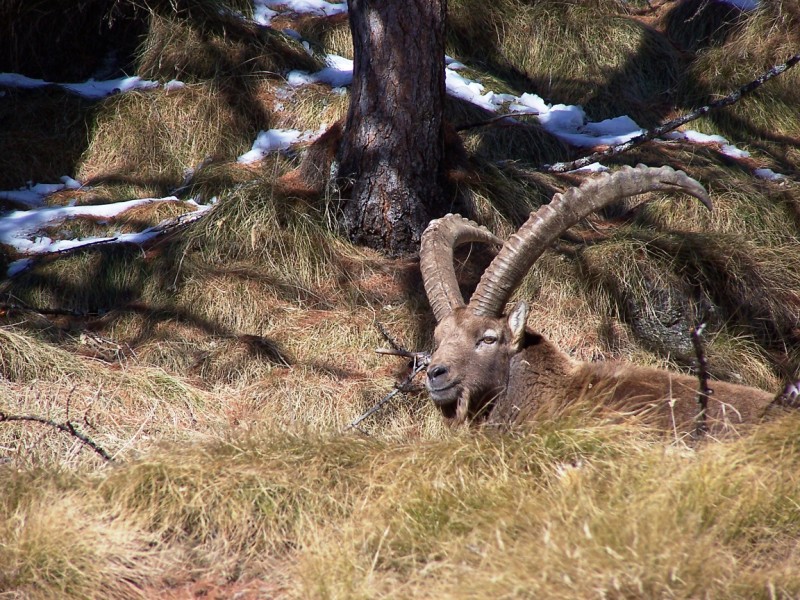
pixel 440 239
pixel 550 221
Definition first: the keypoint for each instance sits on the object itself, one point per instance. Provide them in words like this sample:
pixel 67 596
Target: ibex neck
pixel 537 374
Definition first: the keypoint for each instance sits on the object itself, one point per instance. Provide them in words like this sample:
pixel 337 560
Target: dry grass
pixel 598 510
pixel 148 140
pixel 633 74
pixel 220 367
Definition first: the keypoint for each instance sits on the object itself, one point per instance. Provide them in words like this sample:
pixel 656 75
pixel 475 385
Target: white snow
pixel 733 151
pixel 529 103
pixel 15 80
pixel 743 5
pixel 18 228
pixel 769 175
pixel 696 137
pixel 569 123
pixel 471 91
pixel 33 194
pixel 594 167
pixel 91 88
pixel 338 73
pixel 18 266
pixel 271 141
pixel 265 10
pixel 452 63
pixel 100 89
pixel 174 84
pixel 21 229
pixel 726 148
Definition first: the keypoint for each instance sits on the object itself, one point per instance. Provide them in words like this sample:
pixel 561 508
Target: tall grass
pixel 570 510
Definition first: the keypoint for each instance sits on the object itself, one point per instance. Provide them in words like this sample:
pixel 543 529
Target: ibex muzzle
pixel 489 366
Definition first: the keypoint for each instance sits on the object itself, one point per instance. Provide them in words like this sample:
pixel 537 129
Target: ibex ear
pixel 517 319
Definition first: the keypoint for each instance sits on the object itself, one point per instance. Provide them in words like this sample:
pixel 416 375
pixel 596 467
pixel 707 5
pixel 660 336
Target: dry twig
pixel 420 363
pixel 703 391
pixel 67 427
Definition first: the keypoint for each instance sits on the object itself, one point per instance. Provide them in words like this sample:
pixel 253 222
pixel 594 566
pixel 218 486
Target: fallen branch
pixel 421 360
pixel 401 387
pixel 660 130
pixel 157 231
pixel 703 391
pixel 60 312
pixel 398 349
pixel 66 427
pixel 421 357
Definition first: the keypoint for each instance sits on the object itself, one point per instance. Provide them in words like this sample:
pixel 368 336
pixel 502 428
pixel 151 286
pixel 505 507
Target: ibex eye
pixel 489 339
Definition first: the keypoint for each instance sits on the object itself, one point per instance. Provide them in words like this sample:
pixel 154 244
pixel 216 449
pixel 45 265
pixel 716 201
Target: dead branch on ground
pixel 419 364
pixel 67 427
pixel 660 130
pixel 154 233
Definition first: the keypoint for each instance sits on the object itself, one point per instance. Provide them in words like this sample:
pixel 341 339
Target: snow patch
pixel 595 167
pixel 338 73
pixel 270 141
pixel 21 229
pixel 743 5
pixel 174 84
pixel 733 151
pixel 33 194
pixel 769 175
pixel 266 10
pixel 471 91
pixel 91 89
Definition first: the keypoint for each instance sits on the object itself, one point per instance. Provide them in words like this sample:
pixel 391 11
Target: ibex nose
pixel 436 371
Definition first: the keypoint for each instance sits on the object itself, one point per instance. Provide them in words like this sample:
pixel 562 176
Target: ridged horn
pixel 440 239
pixel 550 221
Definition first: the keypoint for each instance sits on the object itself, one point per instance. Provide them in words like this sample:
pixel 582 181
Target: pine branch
pixel 492 120
pixel 660 130
pixel 165 227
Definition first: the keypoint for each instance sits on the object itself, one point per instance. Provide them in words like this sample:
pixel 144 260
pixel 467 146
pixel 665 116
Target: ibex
pixel 491 368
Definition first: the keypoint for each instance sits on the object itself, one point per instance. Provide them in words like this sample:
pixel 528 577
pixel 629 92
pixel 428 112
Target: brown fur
pixel 510 382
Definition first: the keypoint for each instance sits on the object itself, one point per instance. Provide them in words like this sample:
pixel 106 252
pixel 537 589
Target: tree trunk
pixel 393 145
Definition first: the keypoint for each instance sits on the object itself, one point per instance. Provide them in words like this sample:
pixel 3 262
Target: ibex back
pixel 490 367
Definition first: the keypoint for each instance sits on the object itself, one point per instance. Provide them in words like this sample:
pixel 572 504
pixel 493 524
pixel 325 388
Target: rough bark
pixel 391 156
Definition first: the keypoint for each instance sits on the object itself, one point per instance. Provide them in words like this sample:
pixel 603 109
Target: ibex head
pixel 475 343
pixel 472 360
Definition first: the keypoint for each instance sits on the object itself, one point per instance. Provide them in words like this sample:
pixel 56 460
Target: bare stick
pixel 417 357
pixel 401 387
pixel 421 360
pixel 21 306
pixel 660 130
pixel 66 427
pixel 703 391
pixel 388 337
